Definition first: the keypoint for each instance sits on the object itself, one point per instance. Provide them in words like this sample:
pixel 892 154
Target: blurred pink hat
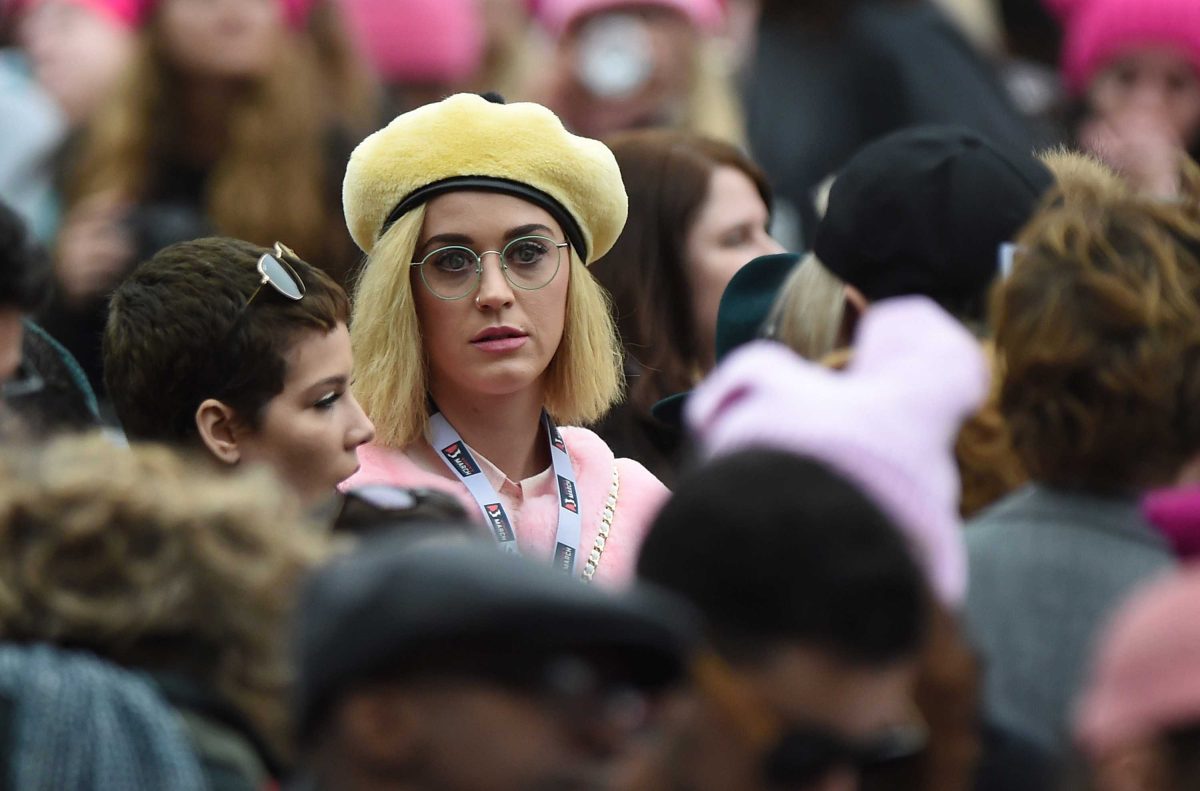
pixel 126 13
pixel 1098 31
pixel 559 15
pixel 1145 678
pixel 888 422
pixel 439 41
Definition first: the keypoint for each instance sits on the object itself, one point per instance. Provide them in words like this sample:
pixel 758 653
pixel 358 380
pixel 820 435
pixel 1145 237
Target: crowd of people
pixel 599 395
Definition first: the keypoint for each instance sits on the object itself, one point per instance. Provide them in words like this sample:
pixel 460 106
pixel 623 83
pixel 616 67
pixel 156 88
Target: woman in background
pixel 699 212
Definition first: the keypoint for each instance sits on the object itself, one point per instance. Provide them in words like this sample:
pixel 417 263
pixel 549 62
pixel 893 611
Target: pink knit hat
pixel 421 41
pixel 888 422
pixel 1145 680
pixel 559 15
pixel 126 13
pixel 1098 31
pixel 1176 514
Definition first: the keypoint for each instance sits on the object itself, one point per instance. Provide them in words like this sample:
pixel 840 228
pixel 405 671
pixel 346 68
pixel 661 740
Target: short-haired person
pixel 478 328
pixel 1098 332
pixel 436 663
pixel 817 612
pixel 242 351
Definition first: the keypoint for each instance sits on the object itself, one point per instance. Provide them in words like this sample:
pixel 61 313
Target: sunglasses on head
pixel 277 272
pixel 798 755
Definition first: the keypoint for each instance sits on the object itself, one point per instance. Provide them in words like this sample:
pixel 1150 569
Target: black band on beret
pixel 491 184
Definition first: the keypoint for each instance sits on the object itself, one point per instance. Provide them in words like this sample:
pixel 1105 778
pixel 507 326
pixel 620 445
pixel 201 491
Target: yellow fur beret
pixel 469 142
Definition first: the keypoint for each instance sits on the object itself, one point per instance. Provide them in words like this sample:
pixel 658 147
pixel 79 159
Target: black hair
pixel 24 269
pixel 776 549
pixel 180 330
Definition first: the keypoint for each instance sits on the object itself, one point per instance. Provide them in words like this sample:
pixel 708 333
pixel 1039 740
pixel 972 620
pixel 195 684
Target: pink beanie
pixel 1098 31
pixel 1145 680
pixel 1176 514
pixel 440 41
pixel 888 422
pixel 126 13
pixel 559 15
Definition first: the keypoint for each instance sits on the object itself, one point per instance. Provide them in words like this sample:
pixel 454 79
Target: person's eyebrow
pixel 447 238
pixel 526 230
pixel 329 381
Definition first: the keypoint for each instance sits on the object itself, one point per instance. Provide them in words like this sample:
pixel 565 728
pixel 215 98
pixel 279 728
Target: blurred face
pixel 496 339
pixel 631 68
pixel 311 431
pixel 566 734
pixel 730 230
pixel 78 54
pixel 1154 83
pixel 801 690
pixel 224 39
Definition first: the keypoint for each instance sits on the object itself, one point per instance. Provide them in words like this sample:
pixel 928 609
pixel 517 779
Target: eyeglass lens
pixel 281 277
pixel 528 263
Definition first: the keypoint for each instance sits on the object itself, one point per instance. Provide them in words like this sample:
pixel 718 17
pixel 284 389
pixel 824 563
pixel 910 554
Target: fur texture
pixel 467 135
pixel 640 497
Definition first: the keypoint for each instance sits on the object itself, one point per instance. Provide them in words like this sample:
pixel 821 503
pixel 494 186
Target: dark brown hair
pixel 666 174
pixel 1098 333
pixel 180 331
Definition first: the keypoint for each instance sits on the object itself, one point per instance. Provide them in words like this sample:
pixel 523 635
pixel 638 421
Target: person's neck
pixel 506 430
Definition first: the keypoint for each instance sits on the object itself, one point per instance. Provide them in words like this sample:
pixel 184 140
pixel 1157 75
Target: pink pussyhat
pixel 126 13
pixel 1097 32
pixel 888 422
pixel 419 41
pixel 559 15
pixel 1145 679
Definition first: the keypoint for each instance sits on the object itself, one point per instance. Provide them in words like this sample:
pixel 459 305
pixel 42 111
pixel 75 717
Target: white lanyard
pixel 457 456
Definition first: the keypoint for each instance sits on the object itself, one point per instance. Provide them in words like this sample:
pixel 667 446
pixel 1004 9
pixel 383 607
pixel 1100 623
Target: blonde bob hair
pixel 583 380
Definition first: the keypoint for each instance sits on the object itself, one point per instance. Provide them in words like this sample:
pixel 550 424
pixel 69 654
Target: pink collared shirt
pixel 532 504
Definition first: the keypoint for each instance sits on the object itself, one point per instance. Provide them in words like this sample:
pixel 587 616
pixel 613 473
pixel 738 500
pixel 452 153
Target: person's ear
pixel 855 304
pixel 217 425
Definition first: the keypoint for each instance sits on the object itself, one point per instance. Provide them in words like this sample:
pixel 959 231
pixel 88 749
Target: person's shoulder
pixel 380 464
pixel 586 446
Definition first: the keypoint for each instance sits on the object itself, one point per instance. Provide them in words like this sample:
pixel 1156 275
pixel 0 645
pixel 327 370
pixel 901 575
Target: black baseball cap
pixel 924 211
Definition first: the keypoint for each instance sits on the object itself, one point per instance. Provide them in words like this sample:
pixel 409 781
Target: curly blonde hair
pixel 1098 338
pixel 155 562
pixel 584 378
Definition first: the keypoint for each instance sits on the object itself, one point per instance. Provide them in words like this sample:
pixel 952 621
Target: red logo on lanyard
pixel 461 458
pixel 498 520
pixel 567 496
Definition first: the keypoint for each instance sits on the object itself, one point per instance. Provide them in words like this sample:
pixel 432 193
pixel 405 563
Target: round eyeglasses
pixel 528 263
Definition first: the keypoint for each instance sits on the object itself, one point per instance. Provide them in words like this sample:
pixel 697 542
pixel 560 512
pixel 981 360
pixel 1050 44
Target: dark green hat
pixel 744 308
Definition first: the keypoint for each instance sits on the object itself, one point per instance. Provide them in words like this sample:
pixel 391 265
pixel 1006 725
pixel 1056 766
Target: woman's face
pixel 224 39
pixel 1155 83
pixel 730 231
pixel 310 432
pixel 78 53
pixel 497 339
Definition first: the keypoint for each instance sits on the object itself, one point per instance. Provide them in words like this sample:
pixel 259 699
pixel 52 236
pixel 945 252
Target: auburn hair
pixel 1098 339
pixel 272 178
